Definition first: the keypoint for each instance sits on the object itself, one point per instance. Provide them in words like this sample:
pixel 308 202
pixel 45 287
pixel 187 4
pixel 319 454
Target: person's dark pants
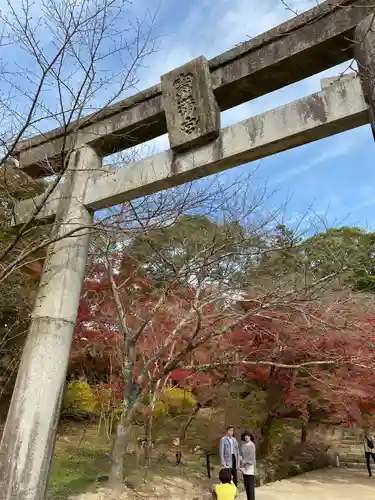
pixel 233 470
pixel 368 459
pixel 249 483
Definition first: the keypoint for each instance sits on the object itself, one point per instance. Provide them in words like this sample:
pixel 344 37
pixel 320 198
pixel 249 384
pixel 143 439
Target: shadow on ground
pixel 328 484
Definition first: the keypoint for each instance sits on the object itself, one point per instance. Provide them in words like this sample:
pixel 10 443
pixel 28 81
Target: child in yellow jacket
pixel 226 490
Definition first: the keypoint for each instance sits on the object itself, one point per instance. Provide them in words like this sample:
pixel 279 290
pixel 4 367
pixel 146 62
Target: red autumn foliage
pixel 98 341
pixel 332 393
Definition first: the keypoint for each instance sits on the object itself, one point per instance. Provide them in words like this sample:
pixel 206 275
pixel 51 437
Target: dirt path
pixel 330 484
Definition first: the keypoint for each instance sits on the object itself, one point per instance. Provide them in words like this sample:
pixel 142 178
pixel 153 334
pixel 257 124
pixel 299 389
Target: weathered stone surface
pixel 301 47
pixel 29 434
pixel 192 113
pixel 305 45
pixel 339 107
pixel 130 122
pixel 23 210
pixel 332 80
pixel 364 50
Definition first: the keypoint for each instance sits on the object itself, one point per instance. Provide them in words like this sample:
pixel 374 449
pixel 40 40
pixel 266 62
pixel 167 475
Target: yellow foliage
pixel 161 409
pixel 174 400
pixel 80 397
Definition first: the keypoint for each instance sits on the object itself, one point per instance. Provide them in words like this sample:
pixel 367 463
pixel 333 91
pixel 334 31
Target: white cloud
pixel 211 28
pixel 234 24
pixel 337 149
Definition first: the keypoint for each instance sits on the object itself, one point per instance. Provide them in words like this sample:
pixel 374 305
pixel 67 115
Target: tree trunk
pixel 131 403
pixel 184 428
pixel 148 436
pixel 305 423
pixel 118 450
pixel 273 397
pixel 266 428
pixel 154 395
pixel 148 442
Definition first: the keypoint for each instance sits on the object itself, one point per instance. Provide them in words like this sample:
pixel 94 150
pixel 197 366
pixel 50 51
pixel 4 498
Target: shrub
pixel 174 400
pixel 161 409
pixel 79 398
pixel 302 458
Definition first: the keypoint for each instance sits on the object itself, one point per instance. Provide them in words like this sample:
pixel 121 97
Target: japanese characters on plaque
pixel 186 104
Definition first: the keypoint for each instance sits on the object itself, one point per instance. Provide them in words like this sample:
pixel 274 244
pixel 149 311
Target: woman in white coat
pixel 248 463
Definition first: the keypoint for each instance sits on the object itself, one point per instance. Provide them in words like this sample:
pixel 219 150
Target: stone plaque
pixel 192 113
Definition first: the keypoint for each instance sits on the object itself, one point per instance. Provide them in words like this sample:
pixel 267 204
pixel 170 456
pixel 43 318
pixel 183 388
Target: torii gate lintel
pixel 301 47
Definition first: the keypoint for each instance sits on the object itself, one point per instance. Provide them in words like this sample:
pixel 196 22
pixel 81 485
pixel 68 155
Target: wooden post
pixel 364 50
pixel 208 463
pixel 208 467
pixel 28 440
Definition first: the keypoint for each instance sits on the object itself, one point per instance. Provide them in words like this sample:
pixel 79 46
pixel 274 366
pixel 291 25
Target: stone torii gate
pixel 187 105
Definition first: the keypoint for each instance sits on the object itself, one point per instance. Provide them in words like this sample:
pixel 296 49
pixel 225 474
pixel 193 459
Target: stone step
pixel 352 446
pixel 357 451
pixel 350 441
pixel 353 465
pixel 356 437
pixel 355 458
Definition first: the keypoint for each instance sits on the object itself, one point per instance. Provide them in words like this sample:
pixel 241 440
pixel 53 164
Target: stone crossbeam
pixel 339 106
pixel 316 40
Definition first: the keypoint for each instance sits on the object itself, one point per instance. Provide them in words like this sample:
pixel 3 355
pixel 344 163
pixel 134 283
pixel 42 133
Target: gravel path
pixel 330 484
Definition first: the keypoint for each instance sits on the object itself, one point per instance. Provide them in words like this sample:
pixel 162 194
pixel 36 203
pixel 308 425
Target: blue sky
pixel 332 178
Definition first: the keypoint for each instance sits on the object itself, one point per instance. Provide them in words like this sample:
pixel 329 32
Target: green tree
pixel 16 291
pixel 346 251
pixel 281 260
pixel 192 241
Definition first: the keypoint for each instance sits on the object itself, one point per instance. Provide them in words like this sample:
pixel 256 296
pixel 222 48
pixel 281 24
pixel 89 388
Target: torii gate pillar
pixel 29 434
pixel 364 50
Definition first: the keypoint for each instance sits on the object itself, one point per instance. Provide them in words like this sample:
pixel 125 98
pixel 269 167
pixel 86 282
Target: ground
pixel 328 484
pixel 82 457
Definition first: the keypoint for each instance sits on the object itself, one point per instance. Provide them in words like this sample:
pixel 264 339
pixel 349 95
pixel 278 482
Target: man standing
pixel 369 447
pixel 229 453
